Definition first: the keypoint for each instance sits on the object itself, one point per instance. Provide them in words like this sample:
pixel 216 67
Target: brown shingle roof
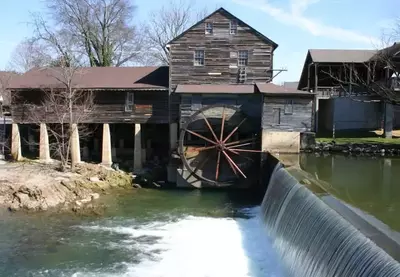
pixel 95 78
pixel 238 89
pixel 341 55
pixel 270 88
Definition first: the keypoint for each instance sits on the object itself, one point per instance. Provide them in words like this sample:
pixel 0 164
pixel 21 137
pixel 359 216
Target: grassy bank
pixel 371 137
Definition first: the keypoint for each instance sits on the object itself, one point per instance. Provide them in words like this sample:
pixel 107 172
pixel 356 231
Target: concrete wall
pixel 350 115
pixel 280 142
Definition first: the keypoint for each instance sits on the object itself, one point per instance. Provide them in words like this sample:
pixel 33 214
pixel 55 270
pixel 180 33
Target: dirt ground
pixel 34 186
pixel 395 133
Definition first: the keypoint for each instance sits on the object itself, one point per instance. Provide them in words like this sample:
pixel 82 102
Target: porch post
pixel 137 164
pixel 106 157
pixel 44 147
pixel 75 145
pixel 316 99
pixel 388 120
pixel 15 143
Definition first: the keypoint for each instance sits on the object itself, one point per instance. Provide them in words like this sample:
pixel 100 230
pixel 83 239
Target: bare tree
pixel 92 32
pixel 376 77
pixel 5 104
pixel 29 54
pixel 66 106
pixel 166 23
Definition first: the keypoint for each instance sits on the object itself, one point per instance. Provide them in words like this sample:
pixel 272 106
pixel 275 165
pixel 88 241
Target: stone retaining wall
pixel 371 149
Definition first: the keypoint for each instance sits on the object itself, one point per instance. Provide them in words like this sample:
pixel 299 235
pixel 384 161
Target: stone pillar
pixel 316 122
pixel 44 147
pixel 106 154
pixel 388 120
pixel 15 143
pixel 75 145
pixel 137 158
pixel 173 135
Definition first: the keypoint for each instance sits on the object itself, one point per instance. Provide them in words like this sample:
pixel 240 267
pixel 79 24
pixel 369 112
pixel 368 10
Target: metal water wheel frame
pixel 219 143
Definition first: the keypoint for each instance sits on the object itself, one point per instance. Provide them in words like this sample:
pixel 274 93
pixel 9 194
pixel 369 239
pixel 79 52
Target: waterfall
pixel 312 239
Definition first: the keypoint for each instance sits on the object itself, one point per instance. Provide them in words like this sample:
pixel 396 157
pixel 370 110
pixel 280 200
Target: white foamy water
pixel 197 247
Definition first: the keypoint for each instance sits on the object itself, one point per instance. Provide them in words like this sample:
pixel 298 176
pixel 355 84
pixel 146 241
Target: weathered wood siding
pixel 250 106
pixel 274 117
pixel 109 107
pixel 221 56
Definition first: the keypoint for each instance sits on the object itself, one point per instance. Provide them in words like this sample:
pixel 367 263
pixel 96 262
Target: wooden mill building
pixel 139 111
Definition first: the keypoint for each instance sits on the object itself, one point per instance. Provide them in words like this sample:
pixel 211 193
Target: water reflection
pixel 371 184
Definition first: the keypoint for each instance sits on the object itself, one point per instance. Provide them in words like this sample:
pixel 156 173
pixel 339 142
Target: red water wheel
pixel 219 145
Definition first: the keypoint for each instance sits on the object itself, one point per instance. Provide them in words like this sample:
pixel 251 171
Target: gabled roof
pixel 272 89
pixel 207 88
pixel 222 10
pixel 151 77
pixel 264 88
pixel 334 56
pixel 341 55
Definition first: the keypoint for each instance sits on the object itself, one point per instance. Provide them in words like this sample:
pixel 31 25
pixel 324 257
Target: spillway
pixel 312 239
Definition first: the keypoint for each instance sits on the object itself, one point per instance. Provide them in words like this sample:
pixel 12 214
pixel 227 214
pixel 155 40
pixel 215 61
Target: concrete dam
pixel 317 237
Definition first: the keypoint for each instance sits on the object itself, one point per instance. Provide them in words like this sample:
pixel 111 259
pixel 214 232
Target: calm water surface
pixel 370 184
pixel 144 233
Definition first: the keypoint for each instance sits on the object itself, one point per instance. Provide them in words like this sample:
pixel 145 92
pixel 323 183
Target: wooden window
pixel 243 57
pixel 129 102
pixel 209 28
pixel 289 107
pixel 276 116
pixel 199 57
pixel 233 27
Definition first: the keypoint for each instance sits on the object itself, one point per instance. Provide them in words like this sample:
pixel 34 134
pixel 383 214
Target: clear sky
pixel 296 25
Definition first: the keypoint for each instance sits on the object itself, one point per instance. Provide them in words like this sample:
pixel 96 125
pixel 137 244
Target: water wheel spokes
pixel 220 160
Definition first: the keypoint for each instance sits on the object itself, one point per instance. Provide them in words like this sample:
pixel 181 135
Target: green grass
pixel 357 137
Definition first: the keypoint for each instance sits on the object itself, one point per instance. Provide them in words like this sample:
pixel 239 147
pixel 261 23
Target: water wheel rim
pixel 220 154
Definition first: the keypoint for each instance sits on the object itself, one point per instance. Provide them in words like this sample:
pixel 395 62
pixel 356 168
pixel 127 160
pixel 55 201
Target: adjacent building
pixel 347 84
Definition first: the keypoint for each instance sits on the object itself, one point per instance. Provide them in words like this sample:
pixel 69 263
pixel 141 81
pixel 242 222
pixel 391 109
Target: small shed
pixel 286 114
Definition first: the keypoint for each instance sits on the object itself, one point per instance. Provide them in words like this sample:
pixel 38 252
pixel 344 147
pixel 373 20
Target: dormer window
pixel 209 28
pixel 233 27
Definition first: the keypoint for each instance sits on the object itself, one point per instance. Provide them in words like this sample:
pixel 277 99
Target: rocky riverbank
pixel 370 149
pixel 32 186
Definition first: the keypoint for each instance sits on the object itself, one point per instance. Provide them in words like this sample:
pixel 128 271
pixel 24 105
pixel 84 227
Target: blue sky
pixel 296 25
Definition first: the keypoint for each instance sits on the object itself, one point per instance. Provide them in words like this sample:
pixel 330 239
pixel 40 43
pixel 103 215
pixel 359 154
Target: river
pixel 144 233
pixel 370 184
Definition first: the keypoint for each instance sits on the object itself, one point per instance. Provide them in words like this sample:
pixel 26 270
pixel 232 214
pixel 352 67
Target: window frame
pixel 201 57
pixel 209 30
pixel 129 101
pixel 240 58
pixel 233 26
pixel 288 108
